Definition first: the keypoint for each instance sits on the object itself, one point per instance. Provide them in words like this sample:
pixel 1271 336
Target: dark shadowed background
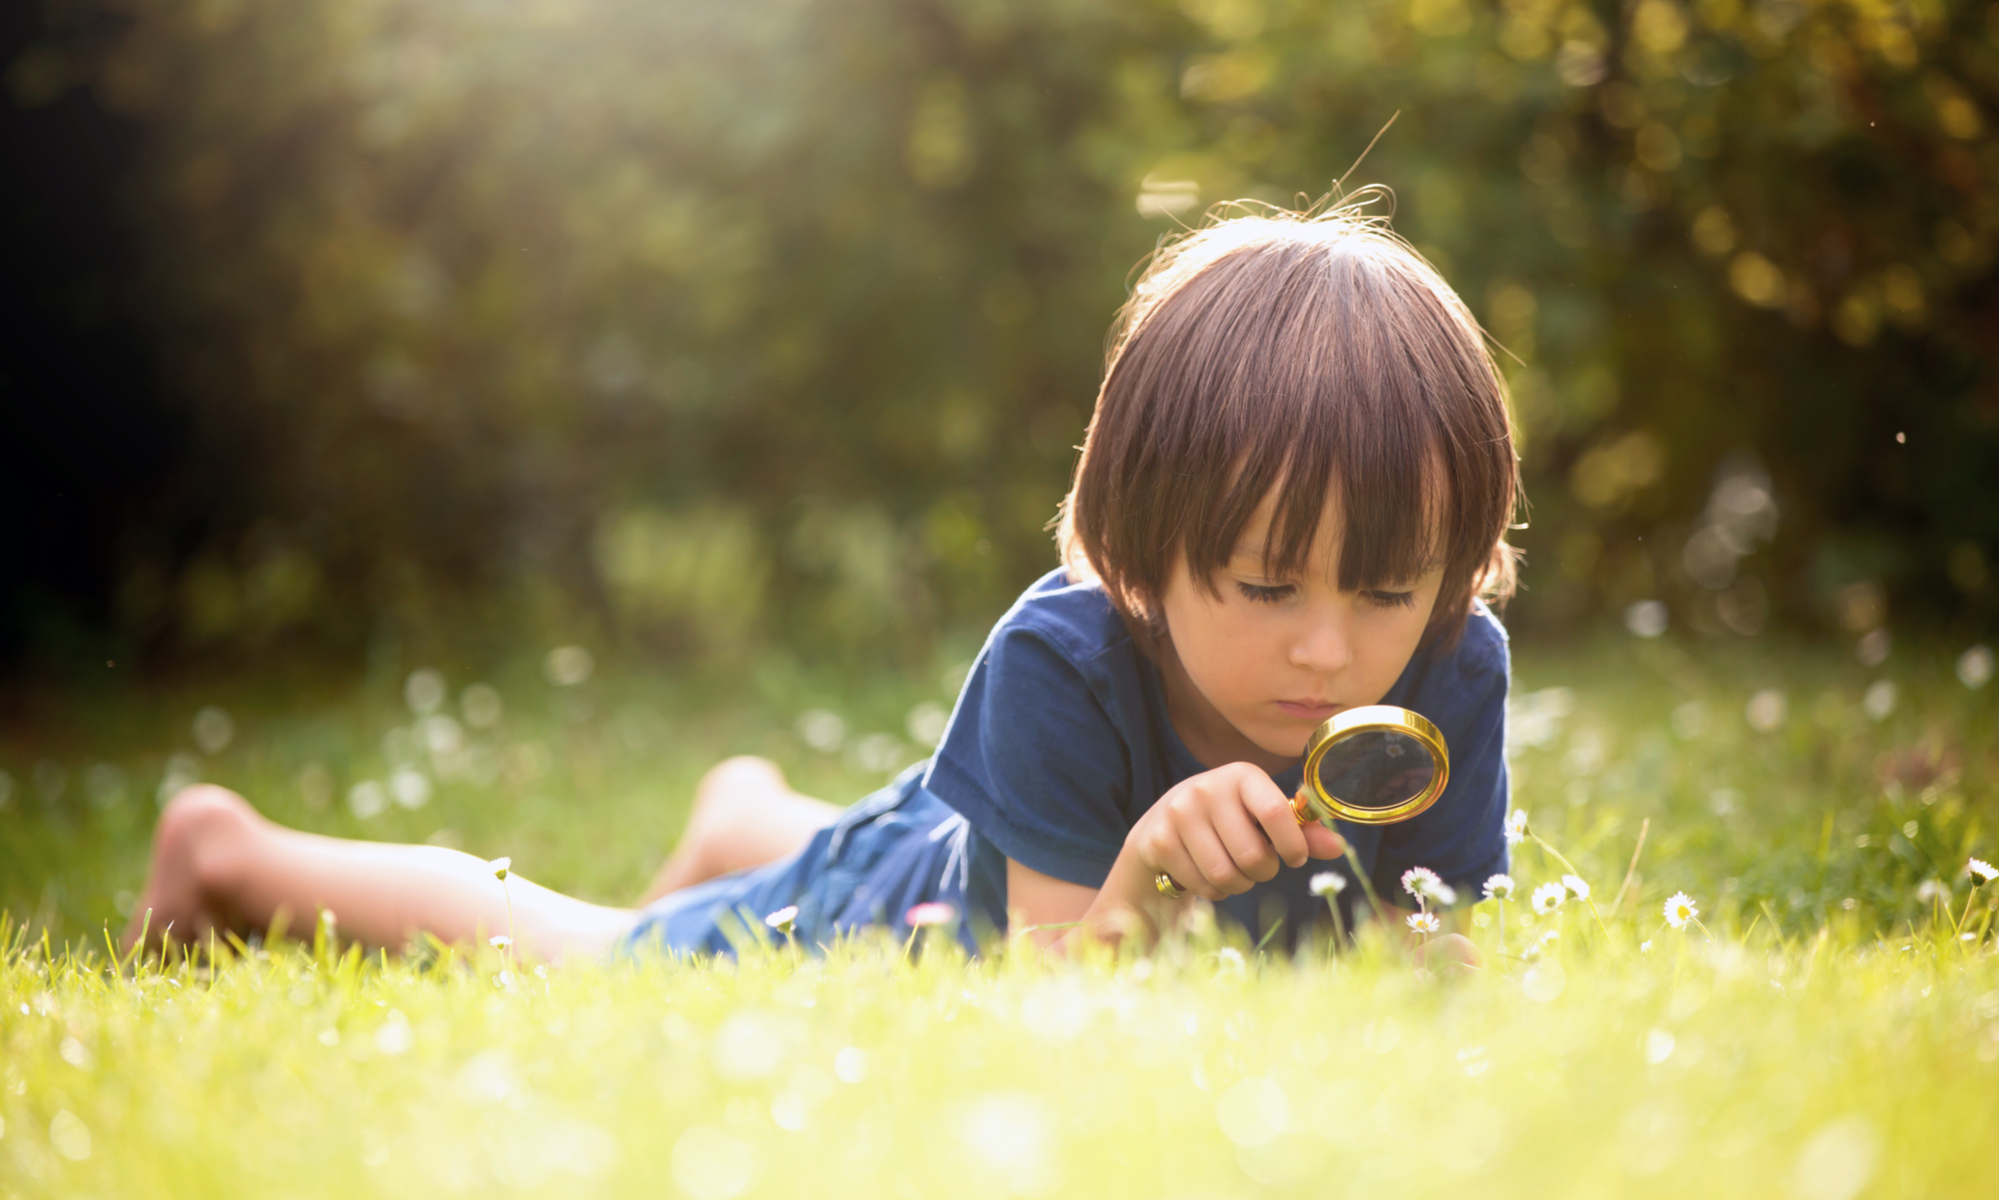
pixel 691 328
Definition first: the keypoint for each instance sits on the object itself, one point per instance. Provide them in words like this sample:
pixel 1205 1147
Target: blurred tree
pixel 87 440
pixel 710 322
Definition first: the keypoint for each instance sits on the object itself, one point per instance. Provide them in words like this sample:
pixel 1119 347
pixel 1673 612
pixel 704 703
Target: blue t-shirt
pixel 1060 742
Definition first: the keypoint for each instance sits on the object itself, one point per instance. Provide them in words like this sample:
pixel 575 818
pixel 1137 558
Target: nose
pixel 1322 644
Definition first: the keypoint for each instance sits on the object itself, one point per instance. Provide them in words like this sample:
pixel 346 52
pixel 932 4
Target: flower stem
pixel 507 955
pixel 1958 926
pixel 1361 876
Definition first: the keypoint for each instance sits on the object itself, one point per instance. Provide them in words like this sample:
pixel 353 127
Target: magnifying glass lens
pixel 1376 768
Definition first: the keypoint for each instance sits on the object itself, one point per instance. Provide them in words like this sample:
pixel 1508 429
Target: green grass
pixel 1830 1033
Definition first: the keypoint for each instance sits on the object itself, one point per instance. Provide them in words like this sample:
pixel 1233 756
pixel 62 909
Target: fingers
pixel 1170 856
pixel 1265 802
pixel 1322 842
pixel 1220 875
pixel 1248 844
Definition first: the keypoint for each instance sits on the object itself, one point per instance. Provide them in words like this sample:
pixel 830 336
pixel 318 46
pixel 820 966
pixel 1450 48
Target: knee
pixel 205 827
pixel 733 778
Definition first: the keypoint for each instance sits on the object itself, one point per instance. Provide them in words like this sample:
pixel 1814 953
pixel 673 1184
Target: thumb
pixel 1322 842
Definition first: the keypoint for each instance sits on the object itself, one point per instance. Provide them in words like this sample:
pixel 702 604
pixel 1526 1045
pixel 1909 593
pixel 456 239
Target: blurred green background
pixel 695 329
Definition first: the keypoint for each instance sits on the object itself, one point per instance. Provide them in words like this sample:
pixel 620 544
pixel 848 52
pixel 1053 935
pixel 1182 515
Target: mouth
pixel 1308 710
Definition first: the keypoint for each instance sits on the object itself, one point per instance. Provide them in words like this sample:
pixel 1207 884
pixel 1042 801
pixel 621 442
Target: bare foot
pixel 195 842
pixel 745 815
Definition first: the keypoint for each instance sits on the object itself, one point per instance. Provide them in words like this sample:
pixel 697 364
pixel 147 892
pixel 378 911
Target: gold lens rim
pixel 1316 804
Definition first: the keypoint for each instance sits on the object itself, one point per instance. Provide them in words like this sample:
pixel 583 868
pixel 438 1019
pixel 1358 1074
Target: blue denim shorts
pixel 899 847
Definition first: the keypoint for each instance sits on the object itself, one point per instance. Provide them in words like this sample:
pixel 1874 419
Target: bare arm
pixel 1044 907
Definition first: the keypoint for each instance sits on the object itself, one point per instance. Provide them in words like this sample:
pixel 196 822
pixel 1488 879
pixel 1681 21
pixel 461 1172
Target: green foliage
pixel 709 321
pixel 1719 1064
pixel 1826 1030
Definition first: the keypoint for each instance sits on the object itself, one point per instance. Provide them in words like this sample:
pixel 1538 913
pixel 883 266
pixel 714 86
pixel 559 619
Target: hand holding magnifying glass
pixel 1373 766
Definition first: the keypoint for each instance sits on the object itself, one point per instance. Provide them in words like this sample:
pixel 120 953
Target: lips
pixel 1308 710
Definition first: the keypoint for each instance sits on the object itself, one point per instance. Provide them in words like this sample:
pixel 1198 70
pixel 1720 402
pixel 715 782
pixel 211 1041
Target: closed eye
pixel 1382 599
pixel 1262 593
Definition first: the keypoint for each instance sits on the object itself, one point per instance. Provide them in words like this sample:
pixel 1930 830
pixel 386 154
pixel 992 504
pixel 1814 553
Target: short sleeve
pixel 1461 836
pixel 1034 762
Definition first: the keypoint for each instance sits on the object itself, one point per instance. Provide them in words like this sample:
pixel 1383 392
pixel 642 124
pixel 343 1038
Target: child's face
pixel 1272 658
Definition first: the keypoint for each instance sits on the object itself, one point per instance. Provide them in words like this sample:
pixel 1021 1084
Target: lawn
pixel 1827 1028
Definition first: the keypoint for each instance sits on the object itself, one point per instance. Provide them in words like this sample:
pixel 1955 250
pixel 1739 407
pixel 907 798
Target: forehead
pixel 1256 540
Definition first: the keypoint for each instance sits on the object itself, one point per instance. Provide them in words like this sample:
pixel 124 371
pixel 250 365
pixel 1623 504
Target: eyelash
pixel 1273 594
pixel 1263 594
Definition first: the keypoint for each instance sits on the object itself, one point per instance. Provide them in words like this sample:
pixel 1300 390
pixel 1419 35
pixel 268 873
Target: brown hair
pixel 1316 350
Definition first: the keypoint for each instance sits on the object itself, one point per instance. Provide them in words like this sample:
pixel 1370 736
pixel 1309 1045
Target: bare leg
pixel 745 815
pixel 218 865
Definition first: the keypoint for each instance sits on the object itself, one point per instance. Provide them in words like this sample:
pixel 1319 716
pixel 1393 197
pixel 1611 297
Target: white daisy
pixel 500 867
pixel 1981 868
pixel 1500 887
pixel 1327 883
pixel 1423 883
pixel 783 919
pixel 1577 887
pixel 1517 827
pixel 1549 897
pixel 499 941
pixel 1423 922
pixel 1679 910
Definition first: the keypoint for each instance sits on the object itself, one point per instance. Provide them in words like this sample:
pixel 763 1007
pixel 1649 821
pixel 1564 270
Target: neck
pixel 1203 729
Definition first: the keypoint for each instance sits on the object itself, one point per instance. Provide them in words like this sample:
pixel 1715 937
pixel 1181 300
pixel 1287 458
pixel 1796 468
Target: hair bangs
pixel 1316 439
pixel 1314 363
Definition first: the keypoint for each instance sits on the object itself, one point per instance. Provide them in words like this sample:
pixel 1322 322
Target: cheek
pixel 1394 639
pixel 1218 644
pixel 1254 660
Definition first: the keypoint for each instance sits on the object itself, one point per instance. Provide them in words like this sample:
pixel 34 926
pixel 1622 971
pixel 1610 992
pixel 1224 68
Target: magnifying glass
pixel 1375 765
